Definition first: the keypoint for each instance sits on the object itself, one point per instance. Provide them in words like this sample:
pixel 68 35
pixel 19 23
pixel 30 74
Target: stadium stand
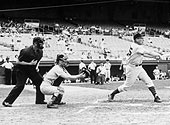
pixel 88 38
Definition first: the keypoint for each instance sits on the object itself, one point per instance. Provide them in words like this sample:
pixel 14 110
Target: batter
pixel 134 69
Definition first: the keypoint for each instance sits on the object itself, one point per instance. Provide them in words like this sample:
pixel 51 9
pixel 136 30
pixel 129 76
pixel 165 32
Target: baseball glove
pixel 86 72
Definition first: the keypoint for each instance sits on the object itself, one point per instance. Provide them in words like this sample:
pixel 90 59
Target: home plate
pixel 103 101
pixel 167 87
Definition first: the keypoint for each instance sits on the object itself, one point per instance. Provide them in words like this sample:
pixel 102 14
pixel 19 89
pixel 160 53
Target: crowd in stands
pixel 78 42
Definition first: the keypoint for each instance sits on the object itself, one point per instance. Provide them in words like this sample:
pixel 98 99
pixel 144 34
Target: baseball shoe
pixel 6 104
pixel 62 103
pixel 157 99
pixel 50 104
pixel 110 98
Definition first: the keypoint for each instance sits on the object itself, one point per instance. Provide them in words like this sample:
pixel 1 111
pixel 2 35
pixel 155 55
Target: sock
pixel 58 99
pixel 153 91
pixel 115 92
pixel 53 99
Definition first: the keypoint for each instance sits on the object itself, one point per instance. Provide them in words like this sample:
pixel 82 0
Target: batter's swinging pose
pixel 134 68
pixel 53 79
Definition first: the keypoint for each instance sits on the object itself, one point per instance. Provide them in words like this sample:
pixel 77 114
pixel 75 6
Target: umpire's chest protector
pixel 28 55
pixel 58 81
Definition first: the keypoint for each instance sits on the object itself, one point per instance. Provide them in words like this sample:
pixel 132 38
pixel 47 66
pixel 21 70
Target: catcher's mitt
pixel 86 72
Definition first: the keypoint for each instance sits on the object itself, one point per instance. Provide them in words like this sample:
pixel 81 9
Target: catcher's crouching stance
pixel 53 79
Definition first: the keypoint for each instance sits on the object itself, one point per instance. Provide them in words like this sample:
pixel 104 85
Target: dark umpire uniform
pixel 24 71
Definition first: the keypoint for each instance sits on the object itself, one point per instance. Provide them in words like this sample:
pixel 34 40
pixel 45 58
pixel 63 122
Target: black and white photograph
pixel 85 62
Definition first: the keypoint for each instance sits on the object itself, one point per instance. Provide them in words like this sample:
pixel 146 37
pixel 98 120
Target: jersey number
pixel 130 51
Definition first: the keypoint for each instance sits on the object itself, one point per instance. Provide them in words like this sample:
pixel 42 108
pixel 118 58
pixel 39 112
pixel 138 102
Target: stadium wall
pixel 73 68
pixel 148 65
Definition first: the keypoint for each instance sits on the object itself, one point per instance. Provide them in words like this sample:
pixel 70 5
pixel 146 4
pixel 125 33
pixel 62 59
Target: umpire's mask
pixel 39 41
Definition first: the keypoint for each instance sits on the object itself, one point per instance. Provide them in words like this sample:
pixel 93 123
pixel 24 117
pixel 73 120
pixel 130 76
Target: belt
pixel 138 65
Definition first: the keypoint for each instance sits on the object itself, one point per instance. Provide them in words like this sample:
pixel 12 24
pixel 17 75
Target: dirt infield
pixel 87 106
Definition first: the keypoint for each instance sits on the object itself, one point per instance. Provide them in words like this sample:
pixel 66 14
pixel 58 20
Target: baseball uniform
pixel 134 68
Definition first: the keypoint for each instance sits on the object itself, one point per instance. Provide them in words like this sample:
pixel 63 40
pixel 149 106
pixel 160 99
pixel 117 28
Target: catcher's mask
pixel 63 58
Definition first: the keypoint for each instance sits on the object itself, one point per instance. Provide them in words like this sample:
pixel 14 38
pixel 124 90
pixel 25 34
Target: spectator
pixel 168 73
pixel 68 51
pixel 89 56
pixel 96 43
pixel 83 55
pixel 162 75
pixel 92 67
pixel 101 44
pixel 107 66
pixel 8 71
pixel 123 66
pixel 156 73
pixel 149 40
pixel 81 66
pixel 15 58
pixel 101 73
pixel 90 41
pixel 105 53
pixel 1 59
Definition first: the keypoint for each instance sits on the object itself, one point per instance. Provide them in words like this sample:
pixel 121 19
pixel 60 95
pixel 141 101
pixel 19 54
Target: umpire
pixel 27 67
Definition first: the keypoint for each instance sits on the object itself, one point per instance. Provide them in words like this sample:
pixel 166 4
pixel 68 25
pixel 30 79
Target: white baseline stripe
pixel 89 107
pixel 146 113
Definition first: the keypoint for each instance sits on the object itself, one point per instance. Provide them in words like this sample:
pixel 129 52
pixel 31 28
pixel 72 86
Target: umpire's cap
pixel 38 40
pixel 136 36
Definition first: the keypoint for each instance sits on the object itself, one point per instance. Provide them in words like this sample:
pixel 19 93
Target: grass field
pixel 86 105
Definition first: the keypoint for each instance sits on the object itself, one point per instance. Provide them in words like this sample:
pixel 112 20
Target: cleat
pixel 6 104
pixel 50 104
pixel 110 98
pixel 157 99
pixel 62 103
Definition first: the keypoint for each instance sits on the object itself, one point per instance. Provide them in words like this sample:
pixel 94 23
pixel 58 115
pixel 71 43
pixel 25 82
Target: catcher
pixel 53 79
